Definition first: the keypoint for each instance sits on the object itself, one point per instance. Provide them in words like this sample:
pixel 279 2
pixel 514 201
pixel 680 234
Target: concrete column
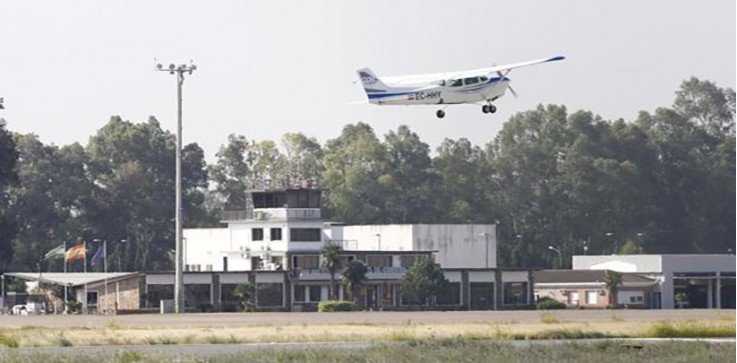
pixel 287 292
pixel 530 289
pixel 215 292
pixel 719 290
pixel 465 291
pixel 709 293
pixel 498 290
pixel 667 291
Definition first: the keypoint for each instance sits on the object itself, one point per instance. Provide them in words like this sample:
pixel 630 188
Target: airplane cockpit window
pixel 456 83
pixel 483 78
pixel 471 80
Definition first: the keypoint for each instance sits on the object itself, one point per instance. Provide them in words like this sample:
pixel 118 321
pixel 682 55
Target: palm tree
pixel 354 276
pixel 612 280
pixel 331 254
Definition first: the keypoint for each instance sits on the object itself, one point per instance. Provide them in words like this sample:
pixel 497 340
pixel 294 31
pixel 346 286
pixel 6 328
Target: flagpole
pixel 104 263
pixel 84 253
pixel 65 275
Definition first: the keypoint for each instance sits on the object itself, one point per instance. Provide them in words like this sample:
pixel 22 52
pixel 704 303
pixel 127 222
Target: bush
pixel 689 330
pixel 327 306
pixel 74 306
pixel 548 303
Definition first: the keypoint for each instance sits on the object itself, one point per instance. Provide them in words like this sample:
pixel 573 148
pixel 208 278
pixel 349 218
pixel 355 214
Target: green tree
pixel 631 247
pixel 46 202
pixel 332 261
pixel 244 294
pixel 303 155
pixel 461 166
pixel 354 277
pixel 411 183
pixel 355 162
pixel 132 166
pixel 422 281
pixel 8 177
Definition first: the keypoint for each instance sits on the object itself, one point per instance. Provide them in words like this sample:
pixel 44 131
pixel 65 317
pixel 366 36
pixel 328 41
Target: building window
pixel 276 234
pixel 257 234
pixel 315 293
pixel 592 297
pixel 306 261
pixel 299 293
pixel 515 293
pixel 482 295
pixel 573 298
pixel 269 295
pixel 450 295
pixel 408 260
pixel 305 234
pixel 379 261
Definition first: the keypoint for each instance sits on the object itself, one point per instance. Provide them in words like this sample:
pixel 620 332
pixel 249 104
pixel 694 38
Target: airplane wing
pixel 419 79
pixel 508 67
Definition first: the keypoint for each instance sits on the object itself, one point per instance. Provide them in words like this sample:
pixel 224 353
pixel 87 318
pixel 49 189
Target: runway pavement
pixel 212 350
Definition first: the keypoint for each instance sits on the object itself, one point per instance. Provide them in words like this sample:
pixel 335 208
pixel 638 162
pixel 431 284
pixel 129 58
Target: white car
pixel 19 310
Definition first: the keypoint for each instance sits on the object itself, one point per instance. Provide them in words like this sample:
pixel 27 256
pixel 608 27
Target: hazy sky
pixel 271 67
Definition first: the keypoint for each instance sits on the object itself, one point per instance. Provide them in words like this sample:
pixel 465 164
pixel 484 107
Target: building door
pixel 371 300
pixel 482 295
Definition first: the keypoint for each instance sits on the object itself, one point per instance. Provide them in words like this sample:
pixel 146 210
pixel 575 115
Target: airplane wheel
pixel 485 108
pixel 440 113
pixel 492 108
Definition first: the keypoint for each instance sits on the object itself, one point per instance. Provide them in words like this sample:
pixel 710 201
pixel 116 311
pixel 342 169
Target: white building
pixel 283 231
pixel 707 281
pixel 280 222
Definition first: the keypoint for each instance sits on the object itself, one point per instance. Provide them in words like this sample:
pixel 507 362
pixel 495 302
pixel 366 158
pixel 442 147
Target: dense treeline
pixel 662 183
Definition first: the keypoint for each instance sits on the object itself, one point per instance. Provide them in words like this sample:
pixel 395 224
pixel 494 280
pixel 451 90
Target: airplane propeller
pixel 502 75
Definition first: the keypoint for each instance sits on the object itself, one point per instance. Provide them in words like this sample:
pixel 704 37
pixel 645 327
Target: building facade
pixel 688 281
pixel 587 289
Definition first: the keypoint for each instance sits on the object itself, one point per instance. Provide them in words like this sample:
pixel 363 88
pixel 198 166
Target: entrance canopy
pixel 68 278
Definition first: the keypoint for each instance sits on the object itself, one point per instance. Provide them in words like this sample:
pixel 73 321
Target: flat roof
pixel 69 278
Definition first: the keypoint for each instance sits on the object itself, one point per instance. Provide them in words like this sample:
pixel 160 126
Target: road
pixel 213 350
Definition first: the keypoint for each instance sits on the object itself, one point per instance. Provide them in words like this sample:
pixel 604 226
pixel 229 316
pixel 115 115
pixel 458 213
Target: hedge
pixel 327 306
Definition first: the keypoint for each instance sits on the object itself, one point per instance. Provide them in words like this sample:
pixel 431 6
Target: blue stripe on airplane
pixel 383 95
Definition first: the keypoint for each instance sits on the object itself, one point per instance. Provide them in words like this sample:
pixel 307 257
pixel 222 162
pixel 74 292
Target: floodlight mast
pixel 178 263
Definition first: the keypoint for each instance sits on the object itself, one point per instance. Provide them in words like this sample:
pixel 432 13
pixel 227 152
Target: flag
pixel 57 252
pixel 98 256
pixel 77 252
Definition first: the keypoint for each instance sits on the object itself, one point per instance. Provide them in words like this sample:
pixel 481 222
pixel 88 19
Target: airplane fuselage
pixel 434 94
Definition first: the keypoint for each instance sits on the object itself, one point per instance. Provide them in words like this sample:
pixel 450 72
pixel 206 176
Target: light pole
pixel 178 276
pixel 616 248
pixel 560 255
pixel 486 238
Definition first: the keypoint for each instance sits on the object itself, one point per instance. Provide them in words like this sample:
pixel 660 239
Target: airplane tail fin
pixel 371 82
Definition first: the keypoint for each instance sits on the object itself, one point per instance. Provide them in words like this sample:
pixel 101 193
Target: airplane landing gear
pixel 488 108
pixel 440 114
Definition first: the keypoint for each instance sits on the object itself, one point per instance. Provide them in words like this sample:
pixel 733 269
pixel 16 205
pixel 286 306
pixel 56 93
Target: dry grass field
pixel 78 330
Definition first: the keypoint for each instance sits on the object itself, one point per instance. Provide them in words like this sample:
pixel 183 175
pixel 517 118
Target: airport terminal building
pixel 274 245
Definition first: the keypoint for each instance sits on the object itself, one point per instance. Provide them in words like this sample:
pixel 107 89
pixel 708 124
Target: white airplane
pixel 477 86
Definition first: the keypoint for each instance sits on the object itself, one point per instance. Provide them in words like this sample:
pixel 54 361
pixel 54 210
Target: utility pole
pixel 178 276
